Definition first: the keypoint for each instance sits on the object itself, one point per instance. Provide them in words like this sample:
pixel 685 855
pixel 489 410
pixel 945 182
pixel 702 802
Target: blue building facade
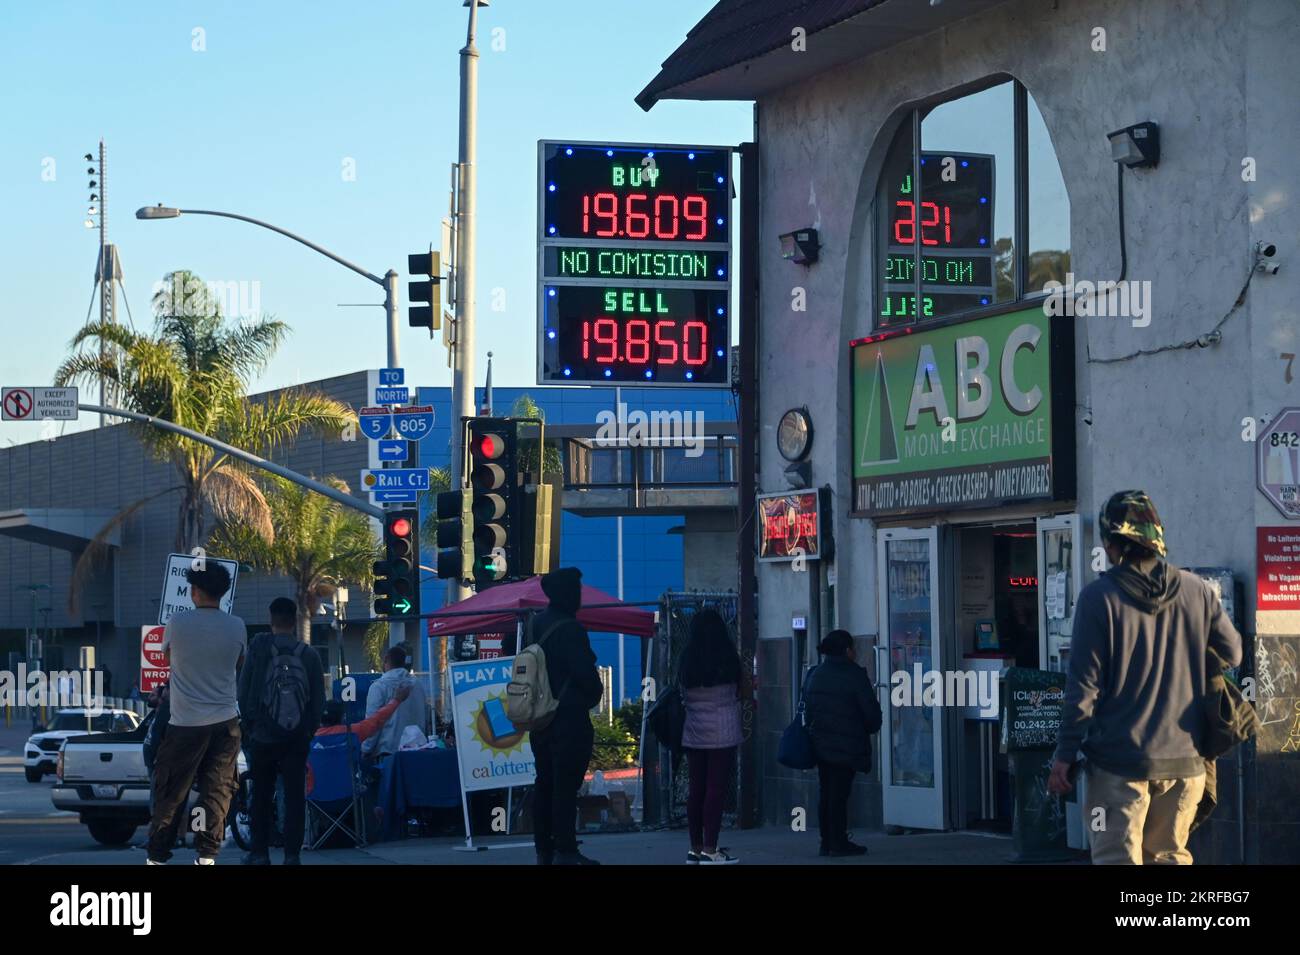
pixel 652 556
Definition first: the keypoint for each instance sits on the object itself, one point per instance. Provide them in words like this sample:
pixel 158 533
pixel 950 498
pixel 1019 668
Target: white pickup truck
pixel 102 777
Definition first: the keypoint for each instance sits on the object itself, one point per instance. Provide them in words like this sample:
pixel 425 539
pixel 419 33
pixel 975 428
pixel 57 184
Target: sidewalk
pixel 766 846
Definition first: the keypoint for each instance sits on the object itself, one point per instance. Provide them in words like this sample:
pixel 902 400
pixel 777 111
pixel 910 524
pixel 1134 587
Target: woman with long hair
pixel 709 677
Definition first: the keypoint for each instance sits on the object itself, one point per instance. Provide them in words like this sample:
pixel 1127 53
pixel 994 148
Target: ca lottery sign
pixel 493 753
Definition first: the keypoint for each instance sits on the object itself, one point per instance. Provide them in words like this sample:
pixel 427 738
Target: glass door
pixel 910 742
pixel 1060 577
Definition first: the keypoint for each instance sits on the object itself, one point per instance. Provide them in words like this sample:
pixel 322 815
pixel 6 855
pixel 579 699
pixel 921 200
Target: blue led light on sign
pixel 984 299
pixel 690 375
pixel 719 220
pixel 984 200
pixel 719 353
pixel 964 163
pixel 550 333
pixel 567 372
pixel 719 311
pixel 551 230
pixel 721 180
pixel 649 373
pixel 609 152
pixel 690 155
pixel 569 151
pixel 651 154
pixel 608 373
pixel 984 241
pixel 922 160
pixel 551 187
pixel 719 273
pixel 551 292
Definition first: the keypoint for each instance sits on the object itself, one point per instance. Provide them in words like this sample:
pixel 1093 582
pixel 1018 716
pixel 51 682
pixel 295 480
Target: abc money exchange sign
pixel 963 415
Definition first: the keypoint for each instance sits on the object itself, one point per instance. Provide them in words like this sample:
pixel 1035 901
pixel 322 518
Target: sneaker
pixel 693 857
pixel 203 860
pixel 152 862
pixel 573 858
pixel 721 857
pixel 845 850
pixel 255 859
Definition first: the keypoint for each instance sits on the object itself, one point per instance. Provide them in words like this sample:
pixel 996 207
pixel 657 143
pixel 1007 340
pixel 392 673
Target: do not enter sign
pixel 153 665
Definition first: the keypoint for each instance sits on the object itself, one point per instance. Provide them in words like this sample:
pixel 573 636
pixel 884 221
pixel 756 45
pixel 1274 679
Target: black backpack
pixel 285 691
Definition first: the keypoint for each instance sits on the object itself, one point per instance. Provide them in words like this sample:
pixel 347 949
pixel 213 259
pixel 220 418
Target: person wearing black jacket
pixel 273 751
pixel 563 749
pixel 842 712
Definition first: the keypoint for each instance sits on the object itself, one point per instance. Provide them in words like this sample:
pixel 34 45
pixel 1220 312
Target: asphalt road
pixel 32 831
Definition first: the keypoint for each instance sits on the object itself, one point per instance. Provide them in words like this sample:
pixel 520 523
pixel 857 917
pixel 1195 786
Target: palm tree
pixel 526 407
pixel 194 370
pixel 439 482
pixel 319 544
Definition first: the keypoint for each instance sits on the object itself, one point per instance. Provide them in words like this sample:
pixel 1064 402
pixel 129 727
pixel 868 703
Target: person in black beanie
pixel 563 748
pixel 843 712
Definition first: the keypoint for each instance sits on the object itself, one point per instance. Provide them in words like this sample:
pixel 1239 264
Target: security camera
pixel 1264 252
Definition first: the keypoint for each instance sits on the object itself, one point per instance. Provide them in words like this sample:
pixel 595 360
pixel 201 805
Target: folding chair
pixel 335 794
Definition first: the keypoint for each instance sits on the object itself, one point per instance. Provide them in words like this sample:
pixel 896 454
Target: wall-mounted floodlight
pixel 800 246
pixel 1136 146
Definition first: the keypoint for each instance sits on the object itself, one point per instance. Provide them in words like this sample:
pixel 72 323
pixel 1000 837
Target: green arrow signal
pixel 401 605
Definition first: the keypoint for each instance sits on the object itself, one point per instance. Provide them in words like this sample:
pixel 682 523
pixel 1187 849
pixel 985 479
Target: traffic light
pixel 455 539
pixel 397 575
pixel 428 315
pixel 495 503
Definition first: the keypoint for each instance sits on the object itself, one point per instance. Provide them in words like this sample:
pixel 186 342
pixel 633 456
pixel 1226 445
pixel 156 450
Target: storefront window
pixel 971 210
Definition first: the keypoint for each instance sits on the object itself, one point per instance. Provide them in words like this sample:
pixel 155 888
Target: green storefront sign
pixel 965 414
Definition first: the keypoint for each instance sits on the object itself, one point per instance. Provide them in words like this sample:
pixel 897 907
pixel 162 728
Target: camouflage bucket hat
pixel 1130 514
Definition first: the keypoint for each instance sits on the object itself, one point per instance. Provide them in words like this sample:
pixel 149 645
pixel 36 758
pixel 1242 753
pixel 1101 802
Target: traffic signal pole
pixel 463 377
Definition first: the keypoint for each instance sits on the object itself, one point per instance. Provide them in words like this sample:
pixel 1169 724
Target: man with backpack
pixel 554 687
pixel 1136 691
pixel 281 695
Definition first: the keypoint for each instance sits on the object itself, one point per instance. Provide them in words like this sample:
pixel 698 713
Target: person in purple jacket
pixel 709 677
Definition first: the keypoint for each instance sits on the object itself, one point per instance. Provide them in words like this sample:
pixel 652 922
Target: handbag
pixel 667 719
pixel 796 747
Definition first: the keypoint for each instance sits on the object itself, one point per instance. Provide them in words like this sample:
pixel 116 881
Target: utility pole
pixel 462 398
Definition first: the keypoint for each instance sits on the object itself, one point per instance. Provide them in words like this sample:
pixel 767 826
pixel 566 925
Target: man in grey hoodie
pixel 1133 697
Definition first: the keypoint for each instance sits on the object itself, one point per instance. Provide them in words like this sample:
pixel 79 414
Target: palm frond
pixel 235 498
pixel 93 556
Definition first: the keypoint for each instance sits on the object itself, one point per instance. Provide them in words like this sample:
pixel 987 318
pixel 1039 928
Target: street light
pixel 388 282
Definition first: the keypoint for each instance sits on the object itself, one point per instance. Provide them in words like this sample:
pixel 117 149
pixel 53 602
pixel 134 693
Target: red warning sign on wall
pixel 1277 568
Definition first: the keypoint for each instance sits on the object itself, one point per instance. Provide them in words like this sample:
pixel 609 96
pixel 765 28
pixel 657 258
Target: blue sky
pixel 264 122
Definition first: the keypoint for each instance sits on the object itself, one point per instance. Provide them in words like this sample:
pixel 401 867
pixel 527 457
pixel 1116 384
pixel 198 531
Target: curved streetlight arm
pixel 347 500
pixel 285 232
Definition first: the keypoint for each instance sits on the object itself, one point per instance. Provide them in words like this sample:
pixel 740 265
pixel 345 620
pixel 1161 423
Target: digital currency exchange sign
pixel 947 232
pixel 633 264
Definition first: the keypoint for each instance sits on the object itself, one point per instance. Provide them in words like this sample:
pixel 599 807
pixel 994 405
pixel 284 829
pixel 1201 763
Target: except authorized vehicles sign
pixel 963 414
pixel 38 404
pixel 176 589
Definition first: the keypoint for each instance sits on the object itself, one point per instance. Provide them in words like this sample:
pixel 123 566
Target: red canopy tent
pixel 496 611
